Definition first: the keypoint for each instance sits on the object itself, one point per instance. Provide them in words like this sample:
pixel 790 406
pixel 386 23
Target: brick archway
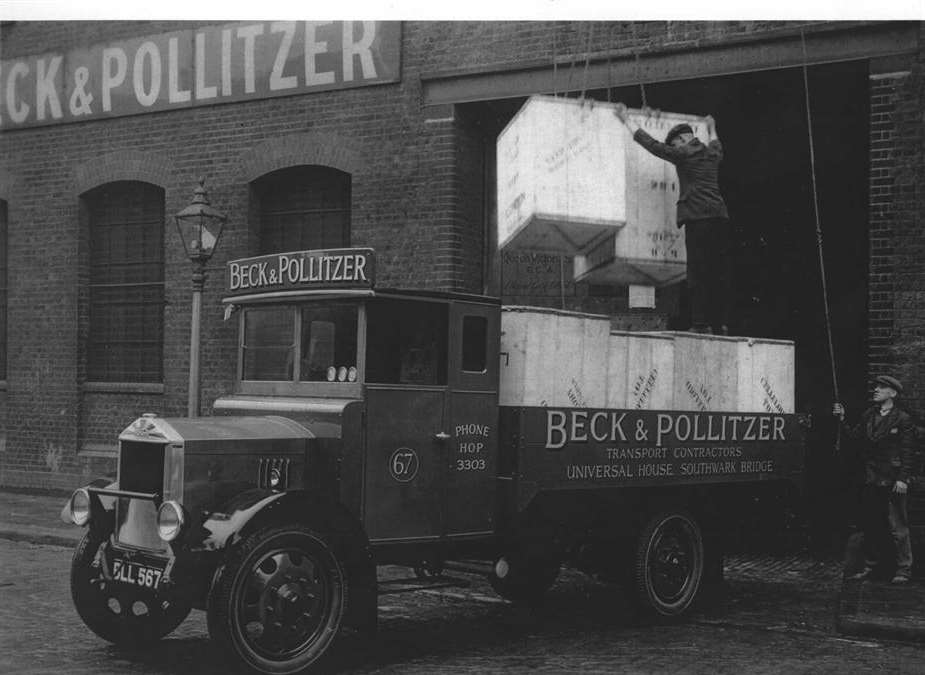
pixel 298 149
pixel 118 166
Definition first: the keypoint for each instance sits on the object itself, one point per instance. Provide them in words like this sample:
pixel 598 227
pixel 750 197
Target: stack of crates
pixel 552 358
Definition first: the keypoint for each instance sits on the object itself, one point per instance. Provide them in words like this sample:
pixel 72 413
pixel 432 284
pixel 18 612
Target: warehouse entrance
pixel 767 182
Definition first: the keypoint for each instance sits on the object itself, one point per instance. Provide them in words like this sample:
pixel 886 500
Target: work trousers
pixel 709 272
pixel 884 537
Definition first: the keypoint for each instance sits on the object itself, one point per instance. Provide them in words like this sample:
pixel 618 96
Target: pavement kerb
pixel 39 538
pixel 34 517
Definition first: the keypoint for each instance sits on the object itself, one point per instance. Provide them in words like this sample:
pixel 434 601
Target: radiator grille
pixel 141 469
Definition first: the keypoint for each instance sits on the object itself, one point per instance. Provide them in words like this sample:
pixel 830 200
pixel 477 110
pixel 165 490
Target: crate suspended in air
pixel 571 180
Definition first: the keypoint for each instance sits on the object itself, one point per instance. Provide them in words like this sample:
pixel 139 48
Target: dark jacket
pixel 698 176
pixel 887 445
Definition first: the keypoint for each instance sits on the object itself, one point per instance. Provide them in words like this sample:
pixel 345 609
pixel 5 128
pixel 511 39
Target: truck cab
pixel 400 389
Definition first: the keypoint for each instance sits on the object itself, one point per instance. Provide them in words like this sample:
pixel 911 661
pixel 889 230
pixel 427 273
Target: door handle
pixel 442 436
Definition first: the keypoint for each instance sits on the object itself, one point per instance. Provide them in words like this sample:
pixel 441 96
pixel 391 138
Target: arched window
pixel 126 333
pixel 304 207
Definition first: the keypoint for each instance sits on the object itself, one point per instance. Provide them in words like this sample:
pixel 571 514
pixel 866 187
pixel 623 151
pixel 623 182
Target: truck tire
pixel 669 564
pixel 119 613
pixel 523 582
pixel 278 601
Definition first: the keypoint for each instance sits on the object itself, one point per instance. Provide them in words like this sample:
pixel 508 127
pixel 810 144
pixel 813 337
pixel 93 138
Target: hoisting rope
pixel 812 163
pixel 642 87
pixel 825 291
pixel 555 63
pixel 588 44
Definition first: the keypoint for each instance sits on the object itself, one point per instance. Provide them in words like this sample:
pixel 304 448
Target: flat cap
pixel 890 382
pixel 677 130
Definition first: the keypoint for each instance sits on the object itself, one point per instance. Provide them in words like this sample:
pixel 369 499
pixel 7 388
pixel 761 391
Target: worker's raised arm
pixel 657 148
pixel 713 137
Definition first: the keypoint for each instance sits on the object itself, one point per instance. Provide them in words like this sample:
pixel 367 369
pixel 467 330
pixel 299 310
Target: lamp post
pixel 200 228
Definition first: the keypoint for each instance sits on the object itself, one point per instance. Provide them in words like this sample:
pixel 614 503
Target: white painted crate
pixel 572 180
pixel 706 372
pixel 553 358
pixel 640 371
pixel 567 359
pixel 766 375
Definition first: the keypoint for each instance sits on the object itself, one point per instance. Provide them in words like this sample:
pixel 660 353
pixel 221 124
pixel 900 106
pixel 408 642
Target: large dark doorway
pixel 767 180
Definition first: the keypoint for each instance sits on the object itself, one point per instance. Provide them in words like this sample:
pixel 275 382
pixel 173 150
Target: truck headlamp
pixel 80 507
pixel 170 520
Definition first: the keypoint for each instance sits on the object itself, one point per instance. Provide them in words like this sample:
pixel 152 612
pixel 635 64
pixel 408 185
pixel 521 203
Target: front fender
pixel 224 527
pixel 255 508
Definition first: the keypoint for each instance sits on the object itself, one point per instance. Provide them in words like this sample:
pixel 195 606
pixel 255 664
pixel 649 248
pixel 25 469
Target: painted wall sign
pixel 196 67
pixel 569 446
pixel 302 270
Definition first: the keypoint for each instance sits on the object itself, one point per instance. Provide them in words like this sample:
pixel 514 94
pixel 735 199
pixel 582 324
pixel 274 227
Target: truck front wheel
pixel 119 613
pixel 279 600
pixel 669 564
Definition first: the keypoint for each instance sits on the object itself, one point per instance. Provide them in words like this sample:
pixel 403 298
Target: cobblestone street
pixel 774 615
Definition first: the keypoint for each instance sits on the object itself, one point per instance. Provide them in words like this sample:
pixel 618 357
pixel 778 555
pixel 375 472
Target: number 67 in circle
pixel 404 464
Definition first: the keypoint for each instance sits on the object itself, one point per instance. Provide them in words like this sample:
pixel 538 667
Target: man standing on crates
pixel 703 213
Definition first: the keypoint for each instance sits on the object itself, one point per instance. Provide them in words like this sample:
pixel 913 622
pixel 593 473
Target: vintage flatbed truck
pixel 365 429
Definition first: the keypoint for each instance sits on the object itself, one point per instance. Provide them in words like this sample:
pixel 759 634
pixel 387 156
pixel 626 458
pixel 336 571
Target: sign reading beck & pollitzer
pixel 200 66
pixel 629 446
pixel 302 270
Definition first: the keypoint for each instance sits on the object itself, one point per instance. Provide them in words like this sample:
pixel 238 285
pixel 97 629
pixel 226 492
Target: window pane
pixel 473 344
pixel 406 342
pixel 329 342
pixel 268 343
pixel 125 340
pixel 304 207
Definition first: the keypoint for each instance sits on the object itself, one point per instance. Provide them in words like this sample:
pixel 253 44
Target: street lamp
pixel 200 228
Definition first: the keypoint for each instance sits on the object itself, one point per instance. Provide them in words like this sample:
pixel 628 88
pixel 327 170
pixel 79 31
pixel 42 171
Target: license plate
pixel 136 574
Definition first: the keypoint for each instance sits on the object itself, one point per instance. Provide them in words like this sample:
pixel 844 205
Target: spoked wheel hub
pixel 285 603
pixel 669 564
pixel 279 601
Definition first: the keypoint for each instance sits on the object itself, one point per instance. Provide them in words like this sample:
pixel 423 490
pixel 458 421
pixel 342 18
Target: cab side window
pixel 474 344
pixel 406 342
pixel 268 343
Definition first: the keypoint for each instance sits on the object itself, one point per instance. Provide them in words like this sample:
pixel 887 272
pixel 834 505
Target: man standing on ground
pixel 702 211
pixel 886 434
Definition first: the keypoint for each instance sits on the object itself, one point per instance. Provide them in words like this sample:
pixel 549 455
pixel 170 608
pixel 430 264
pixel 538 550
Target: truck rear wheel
pixel 119 613
pixel 669 564
pixel 279 600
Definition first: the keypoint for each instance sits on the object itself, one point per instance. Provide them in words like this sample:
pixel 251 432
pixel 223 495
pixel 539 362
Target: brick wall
pixel 416 191
pixel 897 242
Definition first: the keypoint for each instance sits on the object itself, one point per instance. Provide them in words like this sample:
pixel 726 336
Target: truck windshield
pixel 323 334
pixel 329 343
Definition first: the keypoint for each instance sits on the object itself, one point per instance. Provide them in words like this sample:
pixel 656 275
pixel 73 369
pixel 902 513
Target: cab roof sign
pixel 341 268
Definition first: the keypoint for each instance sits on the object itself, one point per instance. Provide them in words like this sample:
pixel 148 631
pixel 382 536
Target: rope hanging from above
pixel 642 87
pixel 812 164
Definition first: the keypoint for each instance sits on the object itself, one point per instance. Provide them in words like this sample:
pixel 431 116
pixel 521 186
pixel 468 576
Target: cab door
pixel 406 385
pixel 472 419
